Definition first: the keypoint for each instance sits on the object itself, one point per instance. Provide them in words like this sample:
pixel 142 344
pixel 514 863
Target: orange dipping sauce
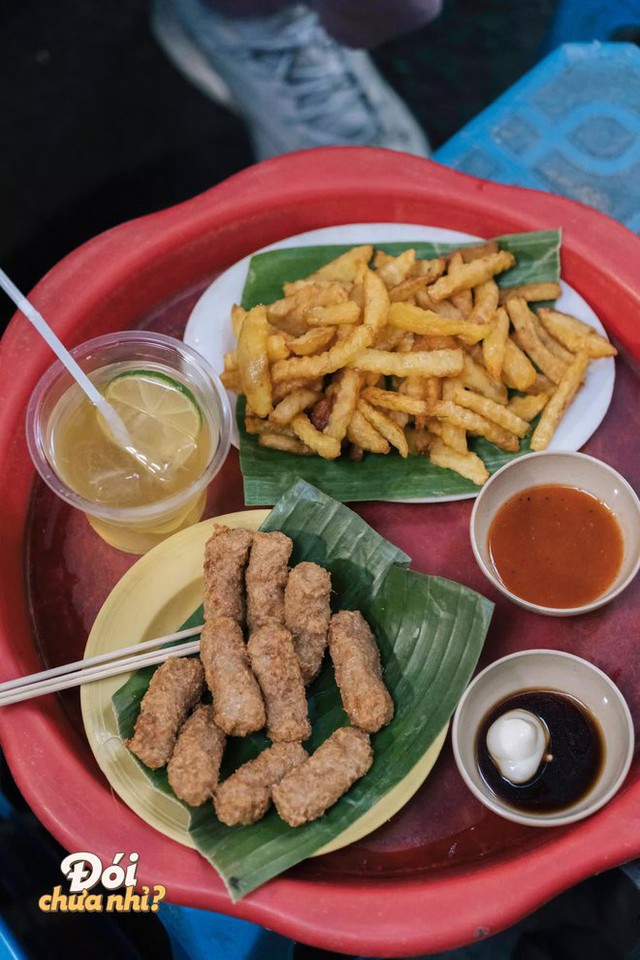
pixel 556 546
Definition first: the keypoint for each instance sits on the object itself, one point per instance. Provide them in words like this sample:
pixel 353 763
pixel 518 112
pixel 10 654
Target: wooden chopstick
pixel 100 667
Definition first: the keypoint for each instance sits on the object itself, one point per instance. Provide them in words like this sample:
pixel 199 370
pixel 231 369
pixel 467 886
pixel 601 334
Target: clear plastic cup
pixel 134 529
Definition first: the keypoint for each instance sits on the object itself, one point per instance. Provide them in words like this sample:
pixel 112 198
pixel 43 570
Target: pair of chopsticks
pixel 145 654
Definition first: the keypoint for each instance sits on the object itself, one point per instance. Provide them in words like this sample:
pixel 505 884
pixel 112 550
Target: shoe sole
pixel 181 50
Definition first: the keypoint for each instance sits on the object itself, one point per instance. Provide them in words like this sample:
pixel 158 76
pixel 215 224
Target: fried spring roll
pixel 266 578
pixel 356 661
pixel 238 708
pixel 309 790
pixel 174 688
pixel 245 797
pixel 225 558
pixel 194 766
pixel 307 613
pixel 276 666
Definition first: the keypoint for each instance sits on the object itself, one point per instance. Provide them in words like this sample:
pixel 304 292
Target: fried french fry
pixel 327 447
pixel 338 313
pixel 406 342
pixel 531 292
pixel 253 363
pixel 566 391
pixel 463 300
pixel 277 348
pixel 474 376
pixel 312 341
pixel 450 387
pixel 485 302
pixel 454 437
pixel 553 346
pixel 230 379
pixel 361 434
pixel 293 403
pixel 392 400
pixel 281 390
pixel 474 423
pixel 492 411
pixel 495 344
pixel 345 400
pixel 432 269
pixel 527 408
pixel 433 363
pixel 294 286
pixel 432 388
pixel 426 322
pixel 385 426
pixel 442 307
pixel 237 316
pixel 289 313
pixel 279 441
pixel 528 341
pixel 574 334
pixel 517 370
pixel 542 384
pixel 344 267
pixel 467 464
pixel 231 361
pixel 257 425
pixel 476 251
pixel 406 290
pixel 394 270
pixel 402 419
pixel 319 365
pixel 434 342
pixel 469 275
pixel 388 338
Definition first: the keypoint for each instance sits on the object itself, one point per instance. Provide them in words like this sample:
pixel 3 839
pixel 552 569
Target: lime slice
pixel 161 415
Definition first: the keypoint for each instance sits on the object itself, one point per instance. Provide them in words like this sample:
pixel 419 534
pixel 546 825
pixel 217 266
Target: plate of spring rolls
pixel 301 725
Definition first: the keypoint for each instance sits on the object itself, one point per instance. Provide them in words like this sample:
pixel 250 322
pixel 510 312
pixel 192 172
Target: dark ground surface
pixel 97 128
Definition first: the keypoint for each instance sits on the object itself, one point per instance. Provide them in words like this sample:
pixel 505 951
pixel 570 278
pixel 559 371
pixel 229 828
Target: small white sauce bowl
pixel 572 470
pixel 546 670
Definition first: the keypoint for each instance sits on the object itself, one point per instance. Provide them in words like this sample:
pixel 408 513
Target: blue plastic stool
pixel 10 949
pixel 571 126
pixel 583 20
pixel 201 935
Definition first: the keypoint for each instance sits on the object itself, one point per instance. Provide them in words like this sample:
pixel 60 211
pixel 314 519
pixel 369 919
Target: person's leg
pixel 291 82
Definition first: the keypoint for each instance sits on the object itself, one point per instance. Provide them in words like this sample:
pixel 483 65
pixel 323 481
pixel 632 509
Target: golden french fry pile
pixel 410 354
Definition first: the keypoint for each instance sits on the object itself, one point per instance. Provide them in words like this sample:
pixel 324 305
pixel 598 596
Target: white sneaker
pixel 292 84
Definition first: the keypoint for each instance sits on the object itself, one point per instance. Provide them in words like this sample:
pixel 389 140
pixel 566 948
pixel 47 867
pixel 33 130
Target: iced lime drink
pixel 137 496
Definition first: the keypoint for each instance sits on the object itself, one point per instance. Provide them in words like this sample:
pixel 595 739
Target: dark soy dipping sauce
pixel 575 745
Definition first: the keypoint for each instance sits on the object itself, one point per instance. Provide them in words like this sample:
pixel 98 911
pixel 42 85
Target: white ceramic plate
pixel 209 329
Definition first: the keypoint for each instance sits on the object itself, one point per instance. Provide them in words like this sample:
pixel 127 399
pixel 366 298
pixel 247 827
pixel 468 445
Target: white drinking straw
pixel 116 426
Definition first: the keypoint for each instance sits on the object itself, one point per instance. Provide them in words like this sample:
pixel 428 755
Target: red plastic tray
pixel 444 871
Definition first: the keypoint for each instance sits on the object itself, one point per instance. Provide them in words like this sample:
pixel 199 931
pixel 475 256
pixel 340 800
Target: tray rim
pixel 135 267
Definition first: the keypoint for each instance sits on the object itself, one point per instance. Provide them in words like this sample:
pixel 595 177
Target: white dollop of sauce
pixel 517 741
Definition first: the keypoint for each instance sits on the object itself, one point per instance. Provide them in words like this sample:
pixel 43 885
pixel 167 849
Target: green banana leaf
pixel 268 473
pixel 430 632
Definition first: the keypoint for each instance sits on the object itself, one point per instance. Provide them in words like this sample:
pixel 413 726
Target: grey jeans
pixel 354 23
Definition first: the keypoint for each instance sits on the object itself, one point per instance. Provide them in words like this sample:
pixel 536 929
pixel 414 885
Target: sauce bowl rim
pixel 610 593
pixel 490 800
